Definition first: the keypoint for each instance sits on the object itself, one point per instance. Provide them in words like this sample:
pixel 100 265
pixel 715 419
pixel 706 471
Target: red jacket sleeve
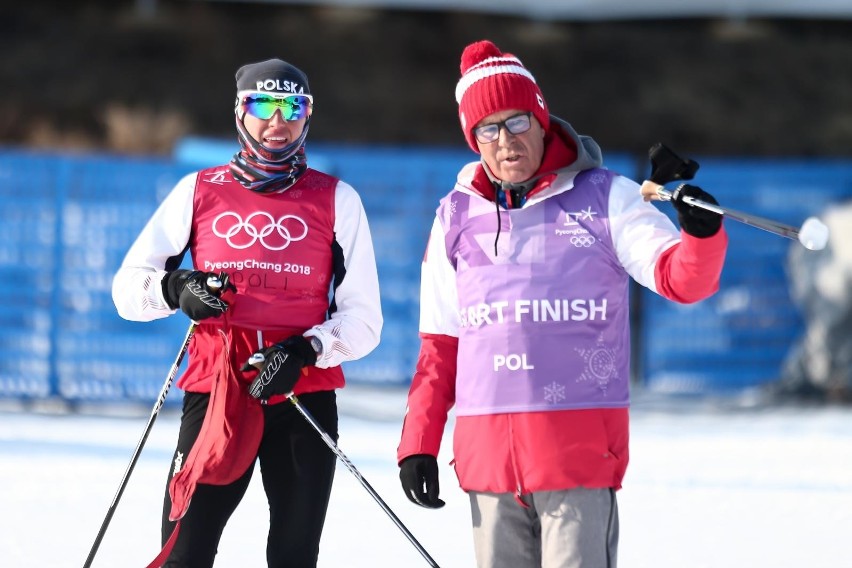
pixel 690 271
pixel 431 396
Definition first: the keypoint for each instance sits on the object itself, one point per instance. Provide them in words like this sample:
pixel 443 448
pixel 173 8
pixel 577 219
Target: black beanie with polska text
pixel 272 76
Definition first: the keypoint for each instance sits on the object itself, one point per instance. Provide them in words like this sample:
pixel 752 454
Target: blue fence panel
pixel 28 226
pixel 99 356
pixel 741 336
pixel 67 224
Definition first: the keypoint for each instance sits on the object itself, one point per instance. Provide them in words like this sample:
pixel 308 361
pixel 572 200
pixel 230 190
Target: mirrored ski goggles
pixel 263 105
pixel 517 124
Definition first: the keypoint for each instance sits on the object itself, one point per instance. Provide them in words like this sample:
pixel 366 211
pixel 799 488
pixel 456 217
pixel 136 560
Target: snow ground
pixel 711 484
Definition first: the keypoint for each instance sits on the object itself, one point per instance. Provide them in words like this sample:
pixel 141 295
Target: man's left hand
pixel 696 221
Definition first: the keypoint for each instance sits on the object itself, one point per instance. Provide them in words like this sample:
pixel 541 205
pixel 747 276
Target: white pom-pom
pixel 813 234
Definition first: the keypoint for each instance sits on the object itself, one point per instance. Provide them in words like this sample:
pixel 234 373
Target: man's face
pixel 511 157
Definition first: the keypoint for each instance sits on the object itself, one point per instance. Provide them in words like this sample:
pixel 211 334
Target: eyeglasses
pixel 518 124
pixel 264 105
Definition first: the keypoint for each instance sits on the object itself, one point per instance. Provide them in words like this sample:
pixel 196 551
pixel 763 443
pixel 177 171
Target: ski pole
pixel 813 233
pixel 156 410
pixel 351 467
pixel 214 284
pixel 667 166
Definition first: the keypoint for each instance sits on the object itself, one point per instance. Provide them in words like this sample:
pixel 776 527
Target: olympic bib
pixel 276 247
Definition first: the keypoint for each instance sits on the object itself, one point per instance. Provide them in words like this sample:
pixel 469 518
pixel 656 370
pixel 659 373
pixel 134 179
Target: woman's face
pixel 264 118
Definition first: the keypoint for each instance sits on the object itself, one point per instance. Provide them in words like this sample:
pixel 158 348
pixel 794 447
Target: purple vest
pixel 544 324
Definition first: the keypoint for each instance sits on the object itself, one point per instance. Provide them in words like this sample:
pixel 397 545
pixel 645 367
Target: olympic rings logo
pixel 584 241
pixel 282 227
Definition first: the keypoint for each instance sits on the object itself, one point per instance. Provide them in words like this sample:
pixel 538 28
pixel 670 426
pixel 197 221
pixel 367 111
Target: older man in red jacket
pixel 525 323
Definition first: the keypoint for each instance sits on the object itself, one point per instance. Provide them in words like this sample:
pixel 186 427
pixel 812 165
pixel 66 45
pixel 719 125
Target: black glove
pixel 280 366
pixel 193 293
pixel 696 221
pixel 419 477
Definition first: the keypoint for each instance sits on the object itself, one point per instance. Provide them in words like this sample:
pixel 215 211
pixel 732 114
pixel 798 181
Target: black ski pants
pixel 297 469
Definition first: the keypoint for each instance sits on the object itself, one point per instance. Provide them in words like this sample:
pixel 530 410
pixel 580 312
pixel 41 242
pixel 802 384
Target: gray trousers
pixel 576 528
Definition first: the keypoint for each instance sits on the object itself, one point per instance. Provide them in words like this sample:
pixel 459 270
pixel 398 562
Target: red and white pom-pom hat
pixel 493 81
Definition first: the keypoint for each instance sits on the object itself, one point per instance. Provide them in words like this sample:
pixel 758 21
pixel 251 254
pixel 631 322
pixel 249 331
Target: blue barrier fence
pixel 67 221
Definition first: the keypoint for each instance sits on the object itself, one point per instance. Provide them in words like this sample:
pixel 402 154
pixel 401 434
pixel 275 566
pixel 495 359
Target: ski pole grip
pixel 667 195
pixel 214 284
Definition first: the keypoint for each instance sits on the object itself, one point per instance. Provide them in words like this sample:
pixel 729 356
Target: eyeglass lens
pixel 517 124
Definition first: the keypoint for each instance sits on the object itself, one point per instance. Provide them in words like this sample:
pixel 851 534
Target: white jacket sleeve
pixel 136 288
pixel 354 328
pixel 640 231
pixel 439 303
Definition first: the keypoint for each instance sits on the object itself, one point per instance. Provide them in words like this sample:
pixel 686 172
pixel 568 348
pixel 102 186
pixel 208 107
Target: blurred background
pixel 106 104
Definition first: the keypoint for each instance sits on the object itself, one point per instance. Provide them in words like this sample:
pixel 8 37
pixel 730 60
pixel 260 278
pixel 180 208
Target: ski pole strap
pixel 167 548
